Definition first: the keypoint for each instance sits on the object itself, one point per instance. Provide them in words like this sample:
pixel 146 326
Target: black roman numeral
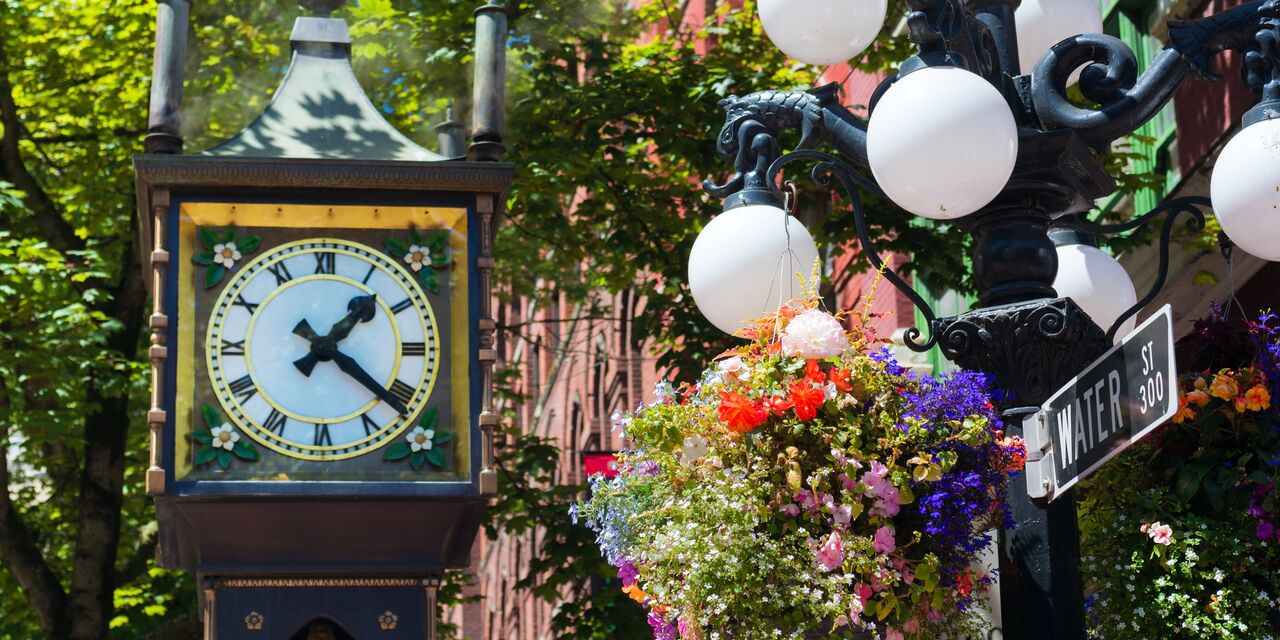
pixel 370 427
pixel 243 388
pixel 325 262
pixel 368 275
pixel 323 438
pixel 241 302
pixel 281 272
pixel 402 391
pixel 230 348
pixel 414 348
pixel 402 305
pixel 275 422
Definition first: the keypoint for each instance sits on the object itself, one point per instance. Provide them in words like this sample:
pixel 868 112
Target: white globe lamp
pixel 1245 189
pixel 1096 282
pixel 942 142
pixel 822 32
pixel 1044 23
pixel 748 262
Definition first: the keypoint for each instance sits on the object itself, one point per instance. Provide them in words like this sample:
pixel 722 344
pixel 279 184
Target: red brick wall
pixel 1207 110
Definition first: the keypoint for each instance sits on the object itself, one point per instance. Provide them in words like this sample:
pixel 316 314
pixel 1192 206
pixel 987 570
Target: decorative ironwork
pixel 253 621
pixel 1026 346
pixel 388 621
pixel 1174 208
pixel 826 166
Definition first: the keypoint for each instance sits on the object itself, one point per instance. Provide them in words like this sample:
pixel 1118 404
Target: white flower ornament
pixel 417 257
pixel 224 437
pixel 420 439
pixel 226 254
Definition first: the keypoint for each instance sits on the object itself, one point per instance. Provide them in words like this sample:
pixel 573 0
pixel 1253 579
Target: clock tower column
pixel 322 345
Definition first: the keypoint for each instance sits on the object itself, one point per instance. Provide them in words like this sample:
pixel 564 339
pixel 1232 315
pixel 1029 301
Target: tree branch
pixel 53 228
pixel 19 551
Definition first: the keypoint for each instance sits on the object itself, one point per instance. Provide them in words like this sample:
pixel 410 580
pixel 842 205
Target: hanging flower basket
pixel 806 487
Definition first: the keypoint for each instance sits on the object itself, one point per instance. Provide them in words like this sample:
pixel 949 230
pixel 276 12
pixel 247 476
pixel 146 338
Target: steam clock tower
pixel 321 424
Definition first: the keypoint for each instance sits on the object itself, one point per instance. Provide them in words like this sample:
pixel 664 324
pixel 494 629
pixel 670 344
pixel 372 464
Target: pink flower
pixel 879 469
pixel 841 515
pixel 883 541
pixel 1143 528
pixel 857 604
pixel 791 510
pixel 893 634
pixel 735 368
pixel 911 626
pixel 806 500
pixel 831 554
pixel 814 334
pixel 1160 533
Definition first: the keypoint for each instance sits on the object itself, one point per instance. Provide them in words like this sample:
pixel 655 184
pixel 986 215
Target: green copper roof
pixel 320 110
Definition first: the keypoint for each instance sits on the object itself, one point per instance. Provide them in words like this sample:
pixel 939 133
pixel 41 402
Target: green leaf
pixel 211 417
pixel 203 437
pixel 205 454
pixel 415 462
pixel 248 244
pixel 429 279
pixel 436 457
pixel 437 240
pixel 428 420
pixel 208 238
pixel 414 236
pixel 397 451
pixel 397 247
pixel 224 458
pixel 440 260
pixel 213 275
pixel 1189 479
pixel 245 450
pixel 442 437
pixel 229 234
pixel 204 258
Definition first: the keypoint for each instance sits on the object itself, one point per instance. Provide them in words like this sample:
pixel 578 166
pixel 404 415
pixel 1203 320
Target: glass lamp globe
pixel 822 31
pixel 748 262
pixel 1245 189
pixel 1044 23
pixel 1098 283
pixel 942 142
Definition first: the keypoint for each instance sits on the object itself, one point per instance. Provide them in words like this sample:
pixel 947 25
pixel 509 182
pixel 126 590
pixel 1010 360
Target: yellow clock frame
pixel 317 218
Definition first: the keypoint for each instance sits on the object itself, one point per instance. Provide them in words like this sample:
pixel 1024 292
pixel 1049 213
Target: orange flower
pixel 812 372
pixel 1224 387
pixel 636 593
pixel 1185 412
pixel 1257 398
pixel 741 413
pixel 1239 404
pixel 806 399
pixel 840 377
pixel 1198 398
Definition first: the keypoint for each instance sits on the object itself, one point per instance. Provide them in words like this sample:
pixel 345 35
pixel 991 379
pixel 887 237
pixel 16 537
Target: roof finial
pixel 322 8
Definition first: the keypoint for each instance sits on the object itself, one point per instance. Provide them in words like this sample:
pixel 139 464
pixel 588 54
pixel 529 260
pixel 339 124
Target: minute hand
pixel 353 369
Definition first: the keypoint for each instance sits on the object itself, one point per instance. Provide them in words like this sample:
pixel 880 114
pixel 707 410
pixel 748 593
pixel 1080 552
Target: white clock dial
pixel 322 349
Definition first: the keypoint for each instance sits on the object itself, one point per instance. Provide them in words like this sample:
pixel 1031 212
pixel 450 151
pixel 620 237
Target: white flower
pixel 226 255
pixel 417 257
pixel 814 334
pixel 695 447
pixel 735 368
pixel 224 437
pixel 420 439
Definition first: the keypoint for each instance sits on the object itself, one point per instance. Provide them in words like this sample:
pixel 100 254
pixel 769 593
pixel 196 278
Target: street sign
pixel 1114 402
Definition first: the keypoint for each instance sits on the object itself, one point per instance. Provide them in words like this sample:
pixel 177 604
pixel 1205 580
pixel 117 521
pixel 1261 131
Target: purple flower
pixel 662 629
pixel 1265 529
pixel 628 573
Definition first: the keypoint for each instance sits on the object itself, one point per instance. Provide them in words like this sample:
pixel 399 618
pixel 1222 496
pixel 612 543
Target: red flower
pixel 812 372
pixel 964 584
pixel 778 404
pixel 841 379
pixel 806 399
pixel 741 413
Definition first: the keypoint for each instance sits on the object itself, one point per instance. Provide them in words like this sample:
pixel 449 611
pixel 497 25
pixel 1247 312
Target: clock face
pixel 322 349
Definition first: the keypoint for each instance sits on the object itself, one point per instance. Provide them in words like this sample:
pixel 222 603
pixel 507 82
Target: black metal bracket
pixel 827 166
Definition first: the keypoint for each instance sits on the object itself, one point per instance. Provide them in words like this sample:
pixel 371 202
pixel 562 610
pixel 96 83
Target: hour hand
pixel 304 329
pixel 350 367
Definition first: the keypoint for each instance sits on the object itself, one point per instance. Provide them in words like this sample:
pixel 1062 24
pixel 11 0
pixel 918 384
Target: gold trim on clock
pixel 423 389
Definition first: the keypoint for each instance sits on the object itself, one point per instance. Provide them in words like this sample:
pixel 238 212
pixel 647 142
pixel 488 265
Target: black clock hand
pixel 359 309
pixel 353 369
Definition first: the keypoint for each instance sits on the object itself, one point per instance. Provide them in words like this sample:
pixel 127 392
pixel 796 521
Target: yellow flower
pixel 1224 387
pixel 1198 398
pixel 1257 398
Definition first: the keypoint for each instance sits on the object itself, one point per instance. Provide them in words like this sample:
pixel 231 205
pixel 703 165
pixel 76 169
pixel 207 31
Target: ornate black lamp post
pixel 1023 334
